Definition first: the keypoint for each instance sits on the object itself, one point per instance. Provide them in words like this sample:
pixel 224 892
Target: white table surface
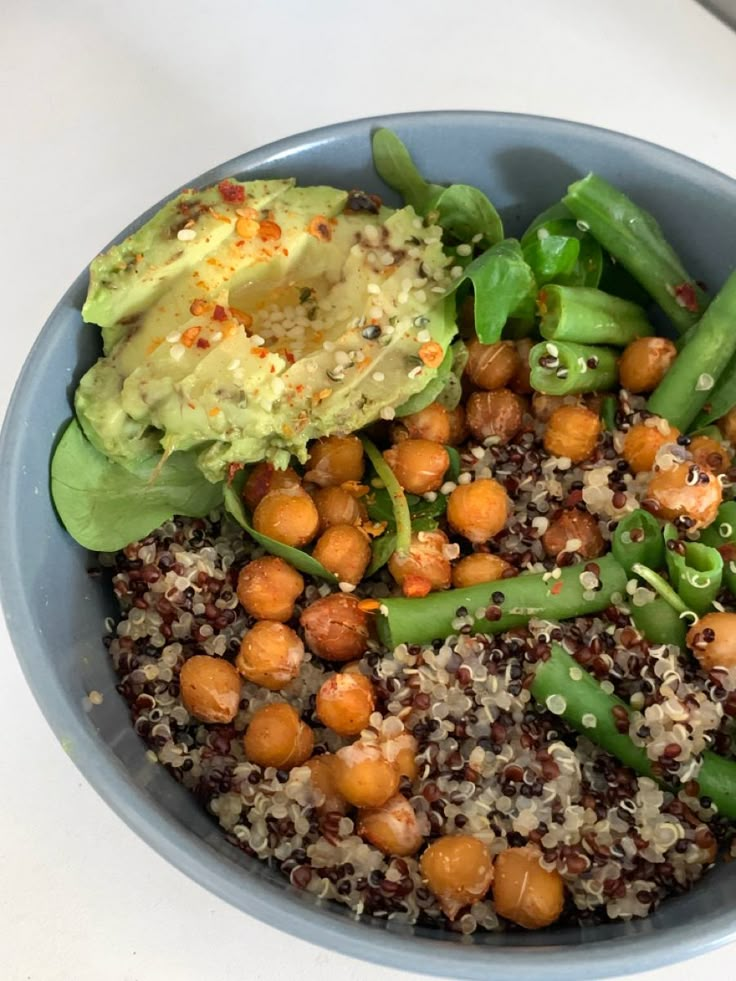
pixel 107 106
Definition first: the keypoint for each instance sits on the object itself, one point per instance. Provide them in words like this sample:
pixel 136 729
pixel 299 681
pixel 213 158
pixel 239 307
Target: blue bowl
pixel 55 612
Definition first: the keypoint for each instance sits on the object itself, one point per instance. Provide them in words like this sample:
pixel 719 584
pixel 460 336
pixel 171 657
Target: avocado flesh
pixel 285 348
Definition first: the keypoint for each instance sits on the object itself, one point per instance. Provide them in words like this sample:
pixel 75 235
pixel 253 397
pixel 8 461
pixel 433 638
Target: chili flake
pixel 203 343
pixel 189 336
pixel 320 228
pixel 269 231
pixel 557 588
pixel 233 193
pixel 431 354
pixel 198 307
pixel 369 605
pixel 219 313
pixel 232 469
pixel 246 228
pixel 686 297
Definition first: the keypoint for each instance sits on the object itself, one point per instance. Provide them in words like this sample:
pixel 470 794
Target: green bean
pixel 563 368
pixel 659 622
pixel 660 586
pixel 619 282
pixel 514 602
pixel 695 570
pixel 609 408
pixel 721 534
pixel 638 539
pixel 722 398
pixel 568 690
pixel 689 382
pixel 587 316
pixel 402 516
pixel 634 239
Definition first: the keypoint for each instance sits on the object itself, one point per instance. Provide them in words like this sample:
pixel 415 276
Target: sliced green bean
pixel 695 570
pixel 690 381
pixel 660 586
pixel 609 408
pixel 659 622
pixel 402 517
pixel 514 601
pixel 721 534
pixel 564 368
pixel 587 316
pixel 638 539
pixel 634 238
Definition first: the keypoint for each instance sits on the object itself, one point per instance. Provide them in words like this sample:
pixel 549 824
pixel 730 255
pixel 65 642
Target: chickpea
pixel 432 423
pixel 727 425
pixel 499 413
pixel 572 431
pixel 478 511
pixel 644 363
pixel 336 628
pixel 573 526
pixel 322 775
pixel 345 703
pixel 345 551
pixel 270 655
pixel 492 366
pixel 335 460
pixel 418 464
pixel 458 426
pixel 364 776
pixel 268 588
pixel 336 506
pixel 524 892
pixel 712 639
pixel 289 516
pixel 544 405
pixel 403 750
pixel 685 491
pixel 426 560
pixel 477 568
pixel 708 452
pixel 277 737
pixel 263 479
pixel 521 382
pixel 392 828
pixel 642 443
pixel 210 688
pixel 458 870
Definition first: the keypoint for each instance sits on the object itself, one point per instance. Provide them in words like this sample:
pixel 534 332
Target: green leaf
pixel 382 549
pixel 465 212
pixel 557 223
pixel 106 507
pixel 394 165
pixel 431 391
pixel 301 560
pixel 453 471
pixel 552 257
pixel 427 510
pixel 502 281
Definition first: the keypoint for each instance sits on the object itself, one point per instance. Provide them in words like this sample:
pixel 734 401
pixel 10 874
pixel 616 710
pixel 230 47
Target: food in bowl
pixel 442 626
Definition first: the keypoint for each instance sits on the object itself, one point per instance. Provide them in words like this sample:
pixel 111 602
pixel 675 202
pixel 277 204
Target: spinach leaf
pixel 301 560
pixel 382 549
pixel 462 210
pixel 453 471
pixel 503 283
pixel 451 395
pixel 105 507
pixel 423 510
pixel 431 391
pixel 539 246
pixel 379 506
pixel 552 257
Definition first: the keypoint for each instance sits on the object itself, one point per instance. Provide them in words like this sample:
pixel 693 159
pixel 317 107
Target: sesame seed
pixel 378 376
pixel 173 337
pixel 423 336
pixel 542 234
pixel 388 412
pixel 464 249
pixel 582 225
pixel 374 288
pixel 589 720
pixel 347 587
pixel 477 237
pixel 186 234
pixel 415 372
pixel 456 272
pixel 402 297
pixel 387 259
pixel 437 289
pixel 234 364
pixel 478 452
pixel 464 478
pixel 705 383
pixel 96 697
pixel 448 487
pixel 420 296
pixel 217 336
pixel 177 352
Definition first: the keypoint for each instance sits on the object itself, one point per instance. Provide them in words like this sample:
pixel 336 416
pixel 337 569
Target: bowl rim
pixel 314 922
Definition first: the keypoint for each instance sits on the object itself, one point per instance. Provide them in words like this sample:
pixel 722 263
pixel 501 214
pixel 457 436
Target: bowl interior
pixel 55 611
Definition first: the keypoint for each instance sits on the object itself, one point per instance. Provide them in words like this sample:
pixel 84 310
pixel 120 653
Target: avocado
pixel 283 314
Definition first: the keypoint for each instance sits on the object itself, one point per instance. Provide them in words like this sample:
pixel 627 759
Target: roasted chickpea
pixel 263 479
pixel 364 776
pixel 521 382
pixel 524 892
pixel 418 464
pixel 432 423
pixel 345 551
pixel 642 443
pixel 336 506
pixel 478 511
pixel 210 688
pixel 288 515
pixel 572 431
pixel 712 639
pixel 644 363
pixel 268 588
pixel 426 561
pixel 544 405
pixel 403 750
pixel 270 655
pixel 708 452
pixel 479 567
pixel 393 828
pixel 685 491
pixel 336 628
pixel 345 703
pixel 499 413
pixel 727 425
pixel 458 426
pixel 322 776
pixel 335 460
pixel 492 366
pixel 458 870
pixel 277 737
pixel 574 531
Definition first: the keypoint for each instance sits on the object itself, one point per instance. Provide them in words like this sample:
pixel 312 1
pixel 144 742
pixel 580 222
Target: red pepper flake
pixel 557 588
pixel 203 343
pixel 319 227
pixel 219 313
pixel 232 470
pixel 233 193
pixel 289 357
pixel 189 336
pixel 269 231
pixel 686 297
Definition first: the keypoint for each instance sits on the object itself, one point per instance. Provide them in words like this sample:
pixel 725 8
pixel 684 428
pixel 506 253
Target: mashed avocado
pixel 246 319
